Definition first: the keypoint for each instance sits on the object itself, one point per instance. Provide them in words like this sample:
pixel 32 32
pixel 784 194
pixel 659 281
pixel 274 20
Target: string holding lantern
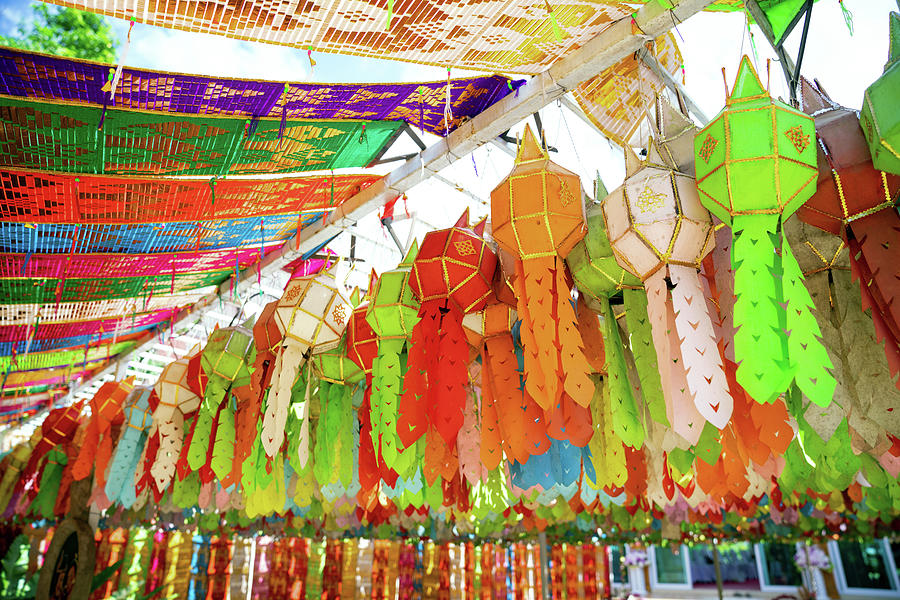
pixel 879 117
pixel 756 165
pixel 176 400
pixel 120 483
pixel 451 276
pixel 392 313
pixel 537 214
pixel 855 200
pixel 660 232
pixel 311 316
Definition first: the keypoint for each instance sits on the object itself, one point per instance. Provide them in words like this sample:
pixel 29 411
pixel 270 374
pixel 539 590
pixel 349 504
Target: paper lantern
pixel 226 360
pixel 854 200
pixel 674 132
pixel 120 483
pixel 97 447
pixel 880 117
pixel 176 400
pixel 451 276
pixel 660 232
pixel 392 312
pixel 753 179
pixel 537 214
pixel 311 315
pixel 58 427
pixel 593 265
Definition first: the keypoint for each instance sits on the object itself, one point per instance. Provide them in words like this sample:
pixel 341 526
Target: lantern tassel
pixel 412 421
pixel 447 393
pixel 848 16
pixel 644 353
pixel 491 449
pixel 573 366
pixel 534 302
pixel 760 346
pixel 878 239
pixel 699 351
pixel 223 447
pixel 680 409
pixel 805 348
pixel 171 438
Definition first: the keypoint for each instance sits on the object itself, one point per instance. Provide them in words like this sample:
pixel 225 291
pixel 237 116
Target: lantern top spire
pixel 530 149
pixel 747 85
pixel 411 253
pixel 894 45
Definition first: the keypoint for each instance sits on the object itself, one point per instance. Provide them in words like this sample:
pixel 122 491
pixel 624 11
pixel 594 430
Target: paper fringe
pixel 699 351
pixel 534 312
pixel 760 344
pixel 644 353
pixel 491 448
pixel 447 383
pixel 412 421
pixel 805 349
pixel 287 365
pixel 877 239
pixel 171 438
pixel 223 448
pixel 573 366
pixel 623 409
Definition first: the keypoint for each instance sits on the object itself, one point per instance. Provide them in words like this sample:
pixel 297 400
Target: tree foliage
pixel 65 32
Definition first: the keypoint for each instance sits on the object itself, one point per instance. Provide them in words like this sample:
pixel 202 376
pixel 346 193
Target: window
pixel 864 565
pixel 670 565
pixel 616 569
pixel 778 565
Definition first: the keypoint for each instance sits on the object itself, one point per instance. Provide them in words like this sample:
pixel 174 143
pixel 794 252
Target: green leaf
pixel 105 575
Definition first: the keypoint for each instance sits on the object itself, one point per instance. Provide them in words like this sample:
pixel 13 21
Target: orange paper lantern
pixel 537 214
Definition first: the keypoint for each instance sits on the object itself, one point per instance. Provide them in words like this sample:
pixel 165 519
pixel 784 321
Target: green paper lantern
pixel 880 115
pixel 335 366
pixel 592 262
pixel 393 312
pixel 756 165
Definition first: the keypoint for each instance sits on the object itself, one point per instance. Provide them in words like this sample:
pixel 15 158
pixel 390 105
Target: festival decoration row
pixel 469 387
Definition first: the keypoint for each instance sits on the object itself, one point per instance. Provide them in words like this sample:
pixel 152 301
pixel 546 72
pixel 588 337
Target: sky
pixel 844 64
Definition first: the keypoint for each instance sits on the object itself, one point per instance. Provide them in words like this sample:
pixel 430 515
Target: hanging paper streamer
pixel 556 367
pixel 768 141
pixel 855 201
pixel 120 484
pixel 451 276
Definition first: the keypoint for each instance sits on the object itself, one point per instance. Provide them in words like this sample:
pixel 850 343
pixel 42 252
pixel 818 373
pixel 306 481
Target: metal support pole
pixel 545 563
pixel 718 566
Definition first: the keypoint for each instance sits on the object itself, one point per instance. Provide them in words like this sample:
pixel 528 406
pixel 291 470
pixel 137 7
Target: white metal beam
pixel 606 49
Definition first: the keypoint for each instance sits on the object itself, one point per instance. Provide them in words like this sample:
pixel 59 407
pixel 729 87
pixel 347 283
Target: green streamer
pixel 759 344
pixel 626 422
pixel 644 353
pixel 805 348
